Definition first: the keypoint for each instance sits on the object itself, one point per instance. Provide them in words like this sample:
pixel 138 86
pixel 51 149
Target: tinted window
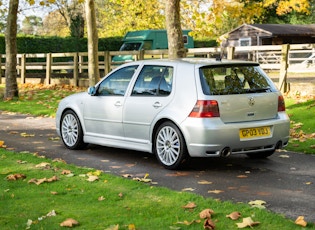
pixel 130 46
pixel 236 79
pixel 154 81
pixel 117 82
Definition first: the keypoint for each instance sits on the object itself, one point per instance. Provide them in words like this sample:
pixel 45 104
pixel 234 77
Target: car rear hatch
pixel 248 107
pixel 243 91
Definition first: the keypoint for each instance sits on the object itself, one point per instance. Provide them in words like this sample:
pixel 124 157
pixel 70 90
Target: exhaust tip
pixel 279 145
pixel 225 152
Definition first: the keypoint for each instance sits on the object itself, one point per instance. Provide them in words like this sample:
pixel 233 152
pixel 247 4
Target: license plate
pixel 255 132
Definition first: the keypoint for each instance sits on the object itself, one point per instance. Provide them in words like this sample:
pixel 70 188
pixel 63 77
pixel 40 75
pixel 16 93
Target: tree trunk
pixel 93 69
pixel 176 47
pixel 11 88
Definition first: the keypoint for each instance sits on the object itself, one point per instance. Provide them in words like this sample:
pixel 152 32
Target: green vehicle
pixel 148 40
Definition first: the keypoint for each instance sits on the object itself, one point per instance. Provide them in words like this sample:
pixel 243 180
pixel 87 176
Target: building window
pixel 245 42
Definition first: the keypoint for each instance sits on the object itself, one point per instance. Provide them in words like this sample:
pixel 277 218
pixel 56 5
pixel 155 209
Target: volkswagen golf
pixel 178 109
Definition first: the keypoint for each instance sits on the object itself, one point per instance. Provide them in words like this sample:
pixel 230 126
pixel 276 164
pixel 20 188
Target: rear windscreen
pixel 234 79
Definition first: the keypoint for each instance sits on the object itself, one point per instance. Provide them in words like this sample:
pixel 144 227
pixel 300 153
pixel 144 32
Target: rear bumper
pixel 210 137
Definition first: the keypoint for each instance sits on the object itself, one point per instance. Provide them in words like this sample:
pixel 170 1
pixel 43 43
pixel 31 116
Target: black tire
pixel 260 155
pixel 169 146
pixel 71 131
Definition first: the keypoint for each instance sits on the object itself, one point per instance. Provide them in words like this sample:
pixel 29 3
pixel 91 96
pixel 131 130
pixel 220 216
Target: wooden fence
pixel 72 67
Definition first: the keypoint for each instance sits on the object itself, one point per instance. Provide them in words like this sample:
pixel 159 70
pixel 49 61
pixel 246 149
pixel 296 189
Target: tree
pixel 117 17
pixel 176 47
pixel 11 87
pixel 93 70
pixel 32 25
pixel 72 11
pixel 55 25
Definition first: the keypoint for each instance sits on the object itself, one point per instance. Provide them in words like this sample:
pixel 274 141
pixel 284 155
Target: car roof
pixel 194 61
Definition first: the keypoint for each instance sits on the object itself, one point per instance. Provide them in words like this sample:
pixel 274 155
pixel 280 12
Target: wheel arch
pixel 156 126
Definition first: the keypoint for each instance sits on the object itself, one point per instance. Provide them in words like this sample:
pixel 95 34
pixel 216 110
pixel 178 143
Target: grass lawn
pixel 39 193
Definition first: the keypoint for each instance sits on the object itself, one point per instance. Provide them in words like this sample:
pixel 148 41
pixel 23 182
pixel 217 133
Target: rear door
pixel 150 95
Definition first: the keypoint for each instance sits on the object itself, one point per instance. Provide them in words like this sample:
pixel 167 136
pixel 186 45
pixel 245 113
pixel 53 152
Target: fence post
pixel 284 68
pixel 0 68
pixel 141 54
pixel 107 62
pixel 75 69
pixel 48 68
pixel 230 52
pixel 23 68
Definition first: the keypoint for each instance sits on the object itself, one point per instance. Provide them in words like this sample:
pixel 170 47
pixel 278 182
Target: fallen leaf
pixel 101 198
pixel 188 189
pixel 95 173
pixel 257 204
pixel 126 175
pixel 69 223
pixel 27 135
pixel 284 156
pixel 308 183
pixel 247 222
pixel 131 227
pixel 44 165
pixel 59 160
pixel 234 215
pixel 190 205
pixel 1 144
pixel 16 176
pixel 204 182
pixel 242 176
pixel 216 191
pixel 42 180
pixel 92 178
pixel 65 172
pixel 208 224
pixel 120 195
pixel 206 213
pixel 54 193
pixel 300 221
pixel 113 227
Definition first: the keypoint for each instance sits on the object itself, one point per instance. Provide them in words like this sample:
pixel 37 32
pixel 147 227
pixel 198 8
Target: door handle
pixel 157 105
pixel 118 104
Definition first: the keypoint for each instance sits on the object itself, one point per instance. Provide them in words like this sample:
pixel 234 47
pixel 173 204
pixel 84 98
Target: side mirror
pixel 92 90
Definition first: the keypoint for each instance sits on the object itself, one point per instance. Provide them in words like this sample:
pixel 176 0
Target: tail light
pixel 205 109
pixel 281 104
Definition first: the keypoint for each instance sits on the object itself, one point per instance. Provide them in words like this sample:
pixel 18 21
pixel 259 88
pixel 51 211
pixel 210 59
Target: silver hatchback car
pixel 179 109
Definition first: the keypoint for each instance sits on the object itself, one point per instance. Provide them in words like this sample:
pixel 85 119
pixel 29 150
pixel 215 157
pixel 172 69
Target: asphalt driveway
pixel 286 180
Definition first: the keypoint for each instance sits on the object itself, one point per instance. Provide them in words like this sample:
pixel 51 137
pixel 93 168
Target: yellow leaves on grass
pixel 247 222
pixel 300 221
pixel 69 223
pixel 257 204
pixel 234 215
pixel 43 180
pixel 15 176
pixel 297 134
pixel 2 144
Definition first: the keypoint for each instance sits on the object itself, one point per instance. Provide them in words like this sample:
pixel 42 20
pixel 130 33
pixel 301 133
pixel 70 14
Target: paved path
pixel 286 180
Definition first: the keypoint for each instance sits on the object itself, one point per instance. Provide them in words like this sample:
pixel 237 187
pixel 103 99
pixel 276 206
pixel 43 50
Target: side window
pixel 117 83
pixel 154 81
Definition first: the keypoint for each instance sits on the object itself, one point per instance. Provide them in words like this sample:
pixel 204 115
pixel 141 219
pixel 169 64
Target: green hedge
pixel 35 44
